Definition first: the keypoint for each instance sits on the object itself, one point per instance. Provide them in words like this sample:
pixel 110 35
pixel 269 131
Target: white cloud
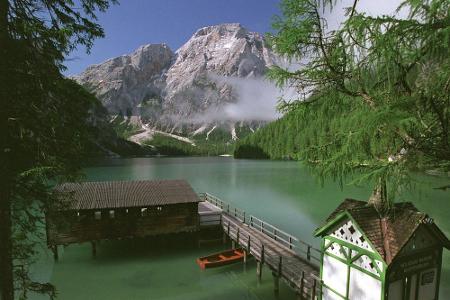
pixel 371 7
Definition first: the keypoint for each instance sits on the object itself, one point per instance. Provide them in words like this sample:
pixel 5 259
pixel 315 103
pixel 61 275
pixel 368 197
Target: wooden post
pixel 94 249
pixel 313 292
pixel 55 252
pixel 245 257
pixel 280 263
pixel 262 253
pixel 276 283
pixel 259 264
pixel 308 253
pixel 259 270
pixel 243 213
pixel 233 244
pixel 224 238
pixel 237 236
pixel 277 275
pixel 302 283
pixel 248 244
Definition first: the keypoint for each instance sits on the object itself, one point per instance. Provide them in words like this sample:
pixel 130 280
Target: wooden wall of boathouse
pixel 122 209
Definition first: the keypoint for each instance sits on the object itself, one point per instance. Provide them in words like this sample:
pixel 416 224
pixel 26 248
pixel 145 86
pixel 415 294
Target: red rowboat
pixel 221 259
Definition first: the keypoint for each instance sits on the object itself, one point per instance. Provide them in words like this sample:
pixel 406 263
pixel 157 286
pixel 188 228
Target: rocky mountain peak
pixel 168 90
pixel 122 82
pixel 227 29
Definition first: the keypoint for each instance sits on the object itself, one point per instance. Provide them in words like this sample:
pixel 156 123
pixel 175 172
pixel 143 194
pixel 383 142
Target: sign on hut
pixel 121 209
pixel 368 257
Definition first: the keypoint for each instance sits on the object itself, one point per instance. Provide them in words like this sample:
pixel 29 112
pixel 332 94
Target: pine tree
pixel 377 91
pixel 43 121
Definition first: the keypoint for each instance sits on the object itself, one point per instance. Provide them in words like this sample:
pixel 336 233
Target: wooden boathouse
pixel 95 211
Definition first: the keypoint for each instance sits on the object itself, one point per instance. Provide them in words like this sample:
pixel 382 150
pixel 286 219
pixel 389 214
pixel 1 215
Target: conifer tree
pixel 43 121
pixel 375 93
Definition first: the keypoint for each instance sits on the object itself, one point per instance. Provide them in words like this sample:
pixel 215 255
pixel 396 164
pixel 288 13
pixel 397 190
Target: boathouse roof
pixel 121 194
pixel 401 224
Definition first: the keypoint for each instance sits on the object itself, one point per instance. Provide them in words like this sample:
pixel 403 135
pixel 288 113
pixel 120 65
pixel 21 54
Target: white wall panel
pixel 330 295
pixel 363 286
pixel 335 274
pixel 349 233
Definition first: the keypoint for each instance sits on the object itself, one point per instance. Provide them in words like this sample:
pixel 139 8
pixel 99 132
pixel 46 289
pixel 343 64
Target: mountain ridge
pixel 182 92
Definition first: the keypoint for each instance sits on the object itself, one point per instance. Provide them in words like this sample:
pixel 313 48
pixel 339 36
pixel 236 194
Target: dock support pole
pixel 276 282
pixel 224 238
pixel 276 276
pixel 233 244
pixel 260 263
pixel 55 252
pixel 94 249
pixel 245 257
pixel 302 285
pixel 313 292
pixel 259 270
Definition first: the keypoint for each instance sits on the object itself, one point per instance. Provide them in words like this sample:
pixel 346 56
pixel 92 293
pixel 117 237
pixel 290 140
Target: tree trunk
pixel 6 262
pixel 6 266
pixel 379 199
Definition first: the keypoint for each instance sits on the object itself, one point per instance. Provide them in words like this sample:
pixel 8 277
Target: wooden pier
pixel 288 258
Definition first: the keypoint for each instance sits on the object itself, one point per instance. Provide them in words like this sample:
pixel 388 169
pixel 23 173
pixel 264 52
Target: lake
pixel 283 193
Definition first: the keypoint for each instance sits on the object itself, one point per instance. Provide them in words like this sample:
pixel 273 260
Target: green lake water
pixel 281 192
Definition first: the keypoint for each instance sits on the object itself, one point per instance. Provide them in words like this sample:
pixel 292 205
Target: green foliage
pixel 166 145
pixel 277 140
pixel 123 127
pixel 376 92
pixel 45 121
pixel 249 151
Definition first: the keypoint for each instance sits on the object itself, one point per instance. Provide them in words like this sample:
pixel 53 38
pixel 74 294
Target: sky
pixel 134 23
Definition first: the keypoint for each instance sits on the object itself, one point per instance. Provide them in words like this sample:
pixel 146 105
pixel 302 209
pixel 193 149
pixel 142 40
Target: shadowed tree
pixel 43 121
pixel 375 93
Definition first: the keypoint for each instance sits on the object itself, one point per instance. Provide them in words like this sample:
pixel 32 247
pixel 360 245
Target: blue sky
pixel 133 23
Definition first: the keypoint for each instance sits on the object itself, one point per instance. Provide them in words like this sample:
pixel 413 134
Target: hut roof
pixel 403 221
pixel 121 194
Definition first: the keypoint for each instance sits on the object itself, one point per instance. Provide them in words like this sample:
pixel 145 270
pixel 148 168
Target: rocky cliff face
pixel 121 83
pixel 181 91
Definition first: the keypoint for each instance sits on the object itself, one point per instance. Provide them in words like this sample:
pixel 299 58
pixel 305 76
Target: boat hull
pixel 221 259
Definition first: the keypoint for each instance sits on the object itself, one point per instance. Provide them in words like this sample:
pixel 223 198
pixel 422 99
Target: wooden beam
pixel 94 249
pixel 276 283
pixel 224 238
pixel 55 252
pixel 259 270
pixel 302 284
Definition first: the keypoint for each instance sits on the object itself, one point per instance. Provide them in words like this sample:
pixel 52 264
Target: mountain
pixel 184 93
pixel 122 83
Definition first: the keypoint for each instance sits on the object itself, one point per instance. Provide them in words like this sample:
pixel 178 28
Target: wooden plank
pixel 299 273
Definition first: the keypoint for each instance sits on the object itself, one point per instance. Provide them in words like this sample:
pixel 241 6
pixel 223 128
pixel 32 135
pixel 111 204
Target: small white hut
pixel 367 257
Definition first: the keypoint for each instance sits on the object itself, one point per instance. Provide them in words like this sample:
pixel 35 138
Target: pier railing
pixel 285 239
pixel 224 206
pixel 307 284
